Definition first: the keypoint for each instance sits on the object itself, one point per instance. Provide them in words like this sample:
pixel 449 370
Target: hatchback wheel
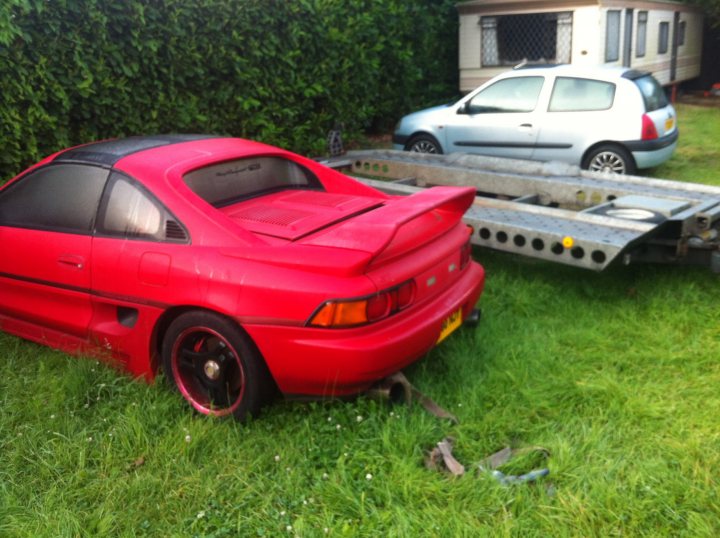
pixel 215 366
pixel 424 144
pixel 610 158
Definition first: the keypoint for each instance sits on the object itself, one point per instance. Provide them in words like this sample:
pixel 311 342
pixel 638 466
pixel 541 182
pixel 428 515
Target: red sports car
pixel 236 267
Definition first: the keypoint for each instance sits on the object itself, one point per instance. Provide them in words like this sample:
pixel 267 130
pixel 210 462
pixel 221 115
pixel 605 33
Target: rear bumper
pixel 337 362
pixel 649 153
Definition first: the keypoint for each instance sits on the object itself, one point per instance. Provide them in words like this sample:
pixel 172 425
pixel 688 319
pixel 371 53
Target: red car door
pixel 46 223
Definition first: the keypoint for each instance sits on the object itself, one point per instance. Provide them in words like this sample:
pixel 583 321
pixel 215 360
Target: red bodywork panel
pixel 267 261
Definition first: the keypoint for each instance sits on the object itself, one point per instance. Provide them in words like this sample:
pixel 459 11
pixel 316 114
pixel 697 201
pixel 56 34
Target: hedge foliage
pixel 280 71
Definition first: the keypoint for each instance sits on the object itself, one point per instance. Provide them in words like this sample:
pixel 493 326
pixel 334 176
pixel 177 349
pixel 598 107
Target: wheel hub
pixel 212 370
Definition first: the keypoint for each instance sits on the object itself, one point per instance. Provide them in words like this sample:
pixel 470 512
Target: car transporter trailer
pixel 556 212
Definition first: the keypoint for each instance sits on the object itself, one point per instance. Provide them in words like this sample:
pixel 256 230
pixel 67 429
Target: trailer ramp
pixel 556 212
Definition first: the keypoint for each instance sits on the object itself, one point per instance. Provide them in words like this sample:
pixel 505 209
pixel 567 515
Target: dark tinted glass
pixel 652 93
pixel 62 197
pixel 229 182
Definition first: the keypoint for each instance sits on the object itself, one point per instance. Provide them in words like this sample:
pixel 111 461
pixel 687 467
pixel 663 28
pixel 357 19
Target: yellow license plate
pixel 452 322
pixel 669 123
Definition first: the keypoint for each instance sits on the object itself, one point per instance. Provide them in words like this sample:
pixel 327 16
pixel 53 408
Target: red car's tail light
pixel 353 312
pixel 649 132
pixel 465 252
pixel 404 295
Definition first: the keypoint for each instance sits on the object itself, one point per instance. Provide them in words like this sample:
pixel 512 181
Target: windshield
pixel 652 93
pixel 231 181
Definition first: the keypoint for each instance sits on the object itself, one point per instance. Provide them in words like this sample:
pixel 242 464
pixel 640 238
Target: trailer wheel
pixel 609 158
pixel 424 143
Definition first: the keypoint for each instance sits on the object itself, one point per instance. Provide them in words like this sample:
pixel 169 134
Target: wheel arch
pixel 596 145
pixel 424 132
pixel 171 314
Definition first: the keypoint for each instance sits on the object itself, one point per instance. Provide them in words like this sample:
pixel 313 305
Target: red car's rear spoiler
pixel 401 224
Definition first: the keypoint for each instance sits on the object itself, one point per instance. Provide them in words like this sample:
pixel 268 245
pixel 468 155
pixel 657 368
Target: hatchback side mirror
pixel 463 109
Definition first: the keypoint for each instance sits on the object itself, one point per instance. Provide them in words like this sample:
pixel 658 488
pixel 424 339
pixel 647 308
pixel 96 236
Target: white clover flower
pixel 188 438
pixel 359 418
pixel 277 457
pixel 288 528
pixel 200 514
pixel 368 476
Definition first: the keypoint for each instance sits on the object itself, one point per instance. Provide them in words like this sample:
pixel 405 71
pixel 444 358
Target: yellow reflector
pixel 568 242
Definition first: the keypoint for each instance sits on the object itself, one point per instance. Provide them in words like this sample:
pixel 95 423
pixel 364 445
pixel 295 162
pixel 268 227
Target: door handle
pixel 526 125
pixel 71 260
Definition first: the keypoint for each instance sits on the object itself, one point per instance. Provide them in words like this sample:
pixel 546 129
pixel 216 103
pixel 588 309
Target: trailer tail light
pixel 649 132
pixel 360 311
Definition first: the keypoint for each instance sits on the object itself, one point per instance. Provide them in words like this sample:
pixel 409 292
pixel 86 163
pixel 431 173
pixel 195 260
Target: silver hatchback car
pixel 601 118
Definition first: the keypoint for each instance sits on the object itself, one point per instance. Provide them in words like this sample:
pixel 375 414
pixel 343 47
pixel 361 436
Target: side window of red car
pixel 58 197
pixel 130 211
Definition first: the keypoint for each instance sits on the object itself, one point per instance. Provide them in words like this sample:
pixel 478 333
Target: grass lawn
pixel 615 374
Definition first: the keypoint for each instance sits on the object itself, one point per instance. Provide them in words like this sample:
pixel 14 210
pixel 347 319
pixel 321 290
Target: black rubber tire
pixel 610 158
pixel 424 143
pixel 215 366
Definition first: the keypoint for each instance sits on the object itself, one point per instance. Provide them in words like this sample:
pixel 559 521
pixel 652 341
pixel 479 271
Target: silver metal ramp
pixel 557 212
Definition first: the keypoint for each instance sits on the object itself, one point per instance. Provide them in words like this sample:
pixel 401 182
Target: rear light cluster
pixel 465 253
pixel 649 132
pixel 363 310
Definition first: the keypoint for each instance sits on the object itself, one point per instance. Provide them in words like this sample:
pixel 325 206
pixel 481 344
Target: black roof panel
pixel 111 151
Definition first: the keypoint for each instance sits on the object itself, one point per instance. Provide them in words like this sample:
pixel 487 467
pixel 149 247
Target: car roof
pixel 601 72
pixel 109 152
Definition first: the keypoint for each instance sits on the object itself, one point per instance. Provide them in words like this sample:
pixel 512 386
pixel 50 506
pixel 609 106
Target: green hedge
pixel 280 71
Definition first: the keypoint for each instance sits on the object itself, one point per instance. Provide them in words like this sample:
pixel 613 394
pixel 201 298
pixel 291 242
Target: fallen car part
pixel 397 389
pixel 441 456
pixel 559 213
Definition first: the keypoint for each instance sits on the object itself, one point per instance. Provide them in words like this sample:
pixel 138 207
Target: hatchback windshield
pixel 229 182
pixel 652 93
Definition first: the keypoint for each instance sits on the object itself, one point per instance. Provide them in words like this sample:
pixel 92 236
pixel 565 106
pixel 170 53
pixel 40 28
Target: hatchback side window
pixel 581 94
pixel 58 197
pixel 130 211
pixel 518 94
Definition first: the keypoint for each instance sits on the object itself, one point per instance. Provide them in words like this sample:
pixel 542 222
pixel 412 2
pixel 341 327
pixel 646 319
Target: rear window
pixel 653 94
pixel 232 181
pixel 581 94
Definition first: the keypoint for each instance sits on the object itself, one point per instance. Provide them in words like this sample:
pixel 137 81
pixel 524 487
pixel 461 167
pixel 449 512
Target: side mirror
pixel 463 109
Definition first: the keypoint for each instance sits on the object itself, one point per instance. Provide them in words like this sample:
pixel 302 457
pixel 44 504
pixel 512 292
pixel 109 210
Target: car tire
pixel 424 143
pixel 609 158
pixel 215 366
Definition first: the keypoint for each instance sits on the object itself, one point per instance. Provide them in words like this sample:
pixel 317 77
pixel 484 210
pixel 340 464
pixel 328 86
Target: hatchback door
pixel 657 107
pixel 499 120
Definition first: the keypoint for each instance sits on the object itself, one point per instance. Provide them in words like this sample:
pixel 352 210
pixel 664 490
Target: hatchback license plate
pixel 669 123
pixel 452 322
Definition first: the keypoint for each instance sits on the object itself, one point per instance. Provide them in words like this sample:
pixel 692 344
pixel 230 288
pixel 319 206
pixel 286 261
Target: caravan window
pixel 641 34
pixel 612 36
pixel 663 37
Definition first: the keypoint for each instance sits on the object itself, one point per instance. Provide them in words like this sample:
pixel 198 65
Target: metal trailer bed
pixel 559 213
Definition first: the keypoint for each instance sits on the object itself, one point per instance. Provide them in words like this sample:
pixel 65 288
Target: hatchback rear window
pixel 581 94
pixel 229 182
pixel 653 94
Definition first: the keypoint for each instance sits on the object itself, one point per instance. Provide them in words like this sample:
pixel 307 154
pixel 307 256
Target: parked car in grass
pixel 236 267
pixel 601 118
